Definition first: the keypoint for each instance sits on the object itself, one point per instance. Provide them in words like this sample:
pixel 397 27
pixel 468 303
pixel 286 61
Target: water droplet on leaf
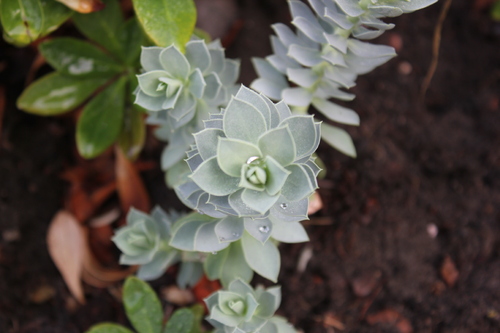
pixel 264 229
pixel 284 205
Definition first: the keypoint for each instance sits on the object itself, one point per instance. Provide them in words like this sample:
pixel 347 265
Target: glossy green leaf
pixel 54 14
pixel 133 133
pixel 101 120
pixel 55 94
pixel 22 20
pixel 132 38
pixel 74 57
pixel 182 321
pixel 167 22
pixel 103 27
pixel 108 328
pixel 142 306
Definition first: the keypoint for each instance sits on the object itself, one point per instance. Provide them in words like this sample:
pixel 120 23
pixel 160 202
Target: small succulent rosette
pixel 144 241
pixel 180 90
pixel 253 158
pixel 325 56
pixel 243 309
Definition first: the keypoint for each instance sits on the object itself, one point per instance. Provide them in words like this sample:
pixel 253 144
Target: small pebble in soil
pixel 432 230
pixel 405 68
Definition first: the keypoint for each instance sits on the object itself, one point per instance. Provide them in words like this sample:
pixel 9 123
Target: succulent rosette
pixel 180 90
pixel 144 241
pixel 243 309
pixel 252 158
pixel 325 55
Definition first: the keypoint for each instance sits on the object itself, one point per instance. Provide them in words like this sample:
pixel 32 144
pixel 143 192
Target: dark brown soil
pixel 424 191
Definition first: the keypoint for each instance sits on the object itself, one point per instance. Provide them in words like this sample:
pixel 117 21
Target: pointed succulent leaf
pixel 233 153
pixel 243 121
pixel 298 185
pixel 174 62
pixel 210 177
pixel 160 262
pixel 339 139
pixel 264 259
pixel 260 229
pixel 228 264
pixel 336 112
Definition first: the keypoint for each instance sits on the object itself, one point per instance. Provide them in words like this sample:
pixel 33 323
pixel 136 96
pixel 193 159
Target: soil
pixel 409 236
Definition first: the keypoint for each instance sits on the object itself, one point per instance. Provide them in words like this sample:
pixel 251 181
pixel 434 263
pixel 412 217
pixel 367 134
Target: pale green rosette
pixel 144 241
pixel 180 90
pixel 325 55
pixel 243 309
pixel 250 175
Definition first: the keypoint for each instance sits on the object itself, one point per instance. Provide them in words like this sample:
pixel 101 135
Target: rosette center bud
pixel 256 171
pixel 238 307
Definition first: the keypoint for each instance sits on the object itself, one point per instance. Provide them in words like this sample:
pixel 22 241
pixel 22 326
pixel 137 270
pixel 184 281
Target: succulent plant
pixel 243 309
pixel 180 90
pixel 250 176
pixel 325 56
pixel 144 241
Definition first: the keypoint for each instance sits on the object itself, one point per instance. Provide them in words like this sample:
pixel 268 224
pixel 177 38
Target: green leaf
pixel 338 139
pixel 55 94
pixel 182 321
pixel 108 328
pixel 103 27
pixel 142 306
pixel 133 133
pixel 22 20
pixel 199 313
pixel 101 120
pixel 54 14
pixel 74 57
pixel 132 38
pixel 495 11
pixel 167 22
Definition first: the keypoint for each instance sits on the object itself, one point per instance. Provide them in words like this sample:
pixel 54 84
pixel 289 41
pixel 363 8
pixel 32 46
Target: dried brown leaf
pixel 84 6
pixel 315 203
pixel 449 271
pixel 66 241
pixel 392 318
pixel 130 186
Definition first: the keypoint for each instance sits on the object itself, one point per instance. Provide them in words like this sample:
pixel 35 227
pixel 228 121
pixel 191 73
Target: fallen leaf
pixel 333 321
pixel 315 203
pixel 177 296
pixel 84 6
pixel 66 241
pixel 98 276
pixel 392 318
pixel 449 271
pixel 42 294
pixel 204 288
pixel 364 284
pixel 130 186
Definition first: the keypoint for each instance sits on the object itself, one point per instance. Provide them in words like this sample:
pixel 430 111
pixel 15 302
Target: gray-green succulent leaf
pixel 181 90
pixel 241 308
pixel 325 55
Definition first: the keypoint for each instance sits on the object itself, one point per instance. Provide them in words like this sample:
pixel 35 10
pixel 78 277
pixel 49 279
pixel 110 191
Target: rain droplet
pixel 222 239
pixel 284 205
pixel 214 252
pixel 264 229
pixel 235 234
pixel 251 159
